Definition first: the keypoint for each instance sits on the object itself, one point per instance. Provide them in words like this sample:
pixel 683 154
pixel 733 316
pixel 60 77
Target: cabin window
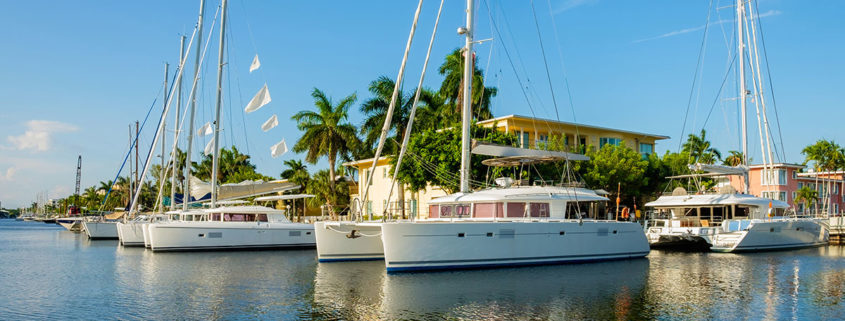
pixel 539 209
pixel 215 217
pixel 488 210
pixel 433 211
pixel 446 210
pixel 516 209
pixel 462 210
pixel 262 217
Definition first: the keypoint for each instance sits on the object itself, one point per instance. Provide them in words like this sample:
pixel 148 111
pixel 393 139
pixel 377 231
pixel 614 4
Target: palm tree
pixel 700 149
pixel 297 173
pixel 325 194
pixel 327 131
pixel 826 156
pixel 735 158
pixel 376 109
pixel 806 195
pixel 452 89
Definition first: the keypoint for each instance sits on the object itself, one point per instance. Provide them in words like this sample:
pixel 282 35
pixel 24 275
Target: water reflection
pixel 364 291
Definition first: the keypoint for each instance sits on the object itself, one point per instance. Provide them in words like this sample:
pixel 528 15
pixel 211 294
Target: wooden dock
pixel 837 230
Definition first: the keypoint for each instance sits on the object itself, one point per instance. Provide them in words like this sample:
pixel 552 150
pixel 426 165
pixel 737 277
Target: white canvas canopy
pixel 240 190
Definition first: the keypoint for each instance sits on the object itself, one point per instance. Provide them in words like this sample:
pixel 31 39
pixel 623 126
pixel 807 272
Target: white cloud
pixel 9 174
pixel 571 4
pixel 692 29
pixel 38 135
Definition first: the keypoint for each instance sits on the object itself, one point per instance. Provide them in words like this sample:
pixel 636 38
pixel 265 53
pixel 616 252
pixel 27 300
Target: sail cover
pixel 255 64
pixel 205 130
pixel 279 149
pixel 209 148
pixel 240 190
pixel 261 98
pixel 270 123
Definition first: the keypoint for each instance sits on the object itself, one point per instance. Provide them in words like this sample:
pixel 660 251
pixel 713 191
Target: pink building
pixel 788 178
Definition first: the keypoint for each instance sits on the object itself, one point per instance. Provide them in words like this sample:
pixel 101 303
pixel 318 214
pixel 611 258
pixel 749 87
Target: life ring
pixel 625 212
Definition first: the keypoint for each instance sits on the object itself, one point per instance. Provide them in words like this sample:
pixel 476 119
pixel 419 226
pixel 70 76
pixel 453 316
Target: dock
pixel 837 229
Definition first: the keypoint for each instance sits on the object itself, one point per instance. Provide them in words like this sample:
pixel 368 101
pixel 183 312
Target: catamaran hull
pixel 348 241
pixel 773 235
pixel 448 245
pixel 180 236
pixel 100 230
pixel 70 225
pixel 131 234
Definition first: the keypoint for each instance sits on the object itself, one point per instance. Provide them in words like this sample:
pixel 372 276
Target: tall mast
pixel 131 169
pixel 163 166
pixel 466 102
pixel 176 127
pixel 138 184
pixel 740 12
pixel 216 142
pixel 186 186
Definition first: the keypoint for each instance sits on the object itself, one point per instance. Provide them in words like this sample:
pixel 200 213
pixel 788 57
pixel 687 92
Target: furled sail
pixel 201 189
pixel 279 149
pixel 270 123
pixel 205 130
pixel 255 64
pixel 209 148
pixel 261 98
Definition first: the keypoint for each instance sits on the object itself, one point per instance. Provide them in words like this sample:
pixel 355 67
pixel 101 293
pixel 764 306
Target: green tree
pixel 233 167
pixel 611 165
pixel 297 173
pixel 807 196
pixel 452 89
pixel 700 149
pixel 735 158
pixel 326 131
pixel 434 157
pixel 826 156
pixel 332 193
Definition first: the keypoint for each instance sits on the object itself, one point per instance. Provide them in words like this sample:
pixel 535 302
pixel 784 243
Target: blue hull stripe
pixel 485 263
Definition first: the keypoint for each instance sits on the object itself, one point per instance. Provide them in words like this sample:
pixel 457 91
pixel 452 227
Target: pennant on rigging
pixel 255 64
pixel 279 149
pixel 209 148
pixel 270 123
pixel 261 98
pixel 205 130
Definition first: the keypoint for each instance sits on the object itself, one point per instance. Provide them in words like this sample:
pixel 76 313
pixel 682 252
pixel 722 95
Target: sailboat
pixel 229 227
pixel 728 221
pixel 506 225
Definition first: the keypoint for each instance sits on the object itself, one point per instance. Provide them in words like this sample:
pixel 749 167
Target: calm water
pixel 46 272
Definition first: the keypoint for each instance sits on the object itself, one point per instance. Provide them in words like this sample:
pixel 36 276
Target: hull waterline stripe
pixel 535 258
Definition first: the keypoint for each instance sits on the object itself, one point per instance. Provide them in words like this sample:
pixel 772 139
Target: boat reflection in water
pixel 362 290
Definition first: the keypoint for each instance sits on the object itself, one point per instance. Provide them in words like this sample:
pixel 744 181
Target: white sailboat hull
pixel 336 241
pixel 410 246
pixel 761 235
pixel 131 234
pixel 191 236
pixel 100 230
pixel 71 224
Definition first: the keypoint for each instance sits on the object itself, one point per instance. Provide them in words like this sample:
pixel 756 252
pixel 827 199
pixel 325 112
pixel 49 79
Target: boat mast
pixel 176 127
pixel 214 159
pixel 740 12
pixel 131 168
pixel 163 170
pixel 467 100
pixel 186 186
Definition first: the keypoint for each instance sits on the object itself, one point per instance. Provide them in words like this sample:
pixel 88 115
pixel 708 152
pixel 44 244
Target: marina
pixel 801 284
pixel 486 178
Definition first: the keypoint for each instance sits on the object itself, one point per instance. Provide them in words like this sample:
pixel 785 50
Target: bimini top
pixel 715 199
pixel 527 193
pixel 251 209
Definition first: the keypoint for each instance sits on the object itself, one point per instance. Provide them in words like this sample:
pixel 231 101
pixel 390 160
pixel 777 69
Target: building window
pixel 609 140
pixel 779 196
pixel 800 185
pixel 835 208
pixel 794 194
pixel 794 174
pixel 777 177
pixel 646 149
pixel 384 172
pixel 524 141
pixel 369 207
pixel 542 141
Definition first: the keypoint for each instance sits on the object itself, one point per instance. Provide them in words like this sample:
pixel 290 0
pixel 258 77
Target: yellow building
pixel 532 133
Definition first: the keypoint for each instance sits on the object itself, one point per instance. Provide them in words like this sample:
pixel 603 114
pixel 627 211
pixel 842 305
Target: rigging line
pixel 563 69
pixel 407 134
pixel 769 75
pixel 545 61
pixel 715 101
pixel 695 75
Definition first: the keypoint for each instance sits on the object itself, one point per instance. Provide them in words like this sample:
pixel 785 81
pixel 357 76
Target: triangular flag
pixel 261 98
pixel 270 123
pixel 255 64
pixel 205 130
pixel 279 149
pixel 209 148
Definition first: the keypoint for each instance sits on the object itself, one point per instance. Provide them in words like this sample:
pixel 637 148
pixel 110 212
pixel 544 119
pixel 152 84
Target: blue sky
pixel 75 74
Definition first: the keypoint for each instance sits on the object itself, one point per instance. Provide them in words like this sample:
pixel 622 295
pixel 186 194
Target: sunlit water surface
pixel 46 272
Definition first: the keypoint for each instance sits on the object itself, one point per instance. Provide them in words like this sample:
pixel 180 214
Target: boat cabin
pixel 246 214
pixel 519 203
pixel 711 210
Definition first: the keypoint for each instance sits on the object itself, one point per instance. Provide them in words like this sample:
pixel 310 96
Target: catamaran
pixel 731 222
